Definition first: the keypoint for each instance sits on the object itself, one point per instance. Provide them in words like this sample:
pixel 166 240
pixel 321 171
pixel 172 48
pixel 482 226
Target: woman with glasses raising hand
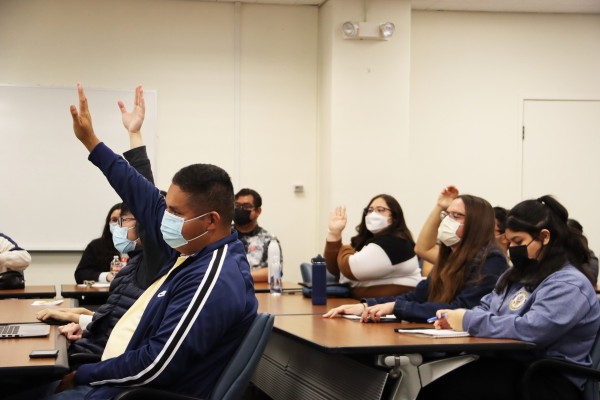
pixel 380 260
pixel 467 262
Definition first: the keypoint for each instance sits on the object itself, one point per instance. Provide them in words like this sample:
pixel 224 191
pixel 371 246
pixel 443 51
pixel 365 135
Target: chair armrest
pixel 144 393
pixel 557 365
pixel 77 359
pixel 563 366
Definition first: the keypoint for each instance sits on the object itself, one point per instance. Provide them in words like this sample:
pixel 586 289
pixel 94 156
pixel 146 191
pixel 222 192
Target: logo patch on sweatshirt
pixel 518 300
pixel 161 294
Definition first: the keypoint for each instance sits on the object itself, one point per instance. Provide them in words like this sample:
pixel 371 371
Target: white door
pixel 561 156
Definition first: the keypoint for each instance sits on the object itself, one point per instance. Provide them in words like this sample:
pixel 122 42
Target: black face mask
pixel 241 216
pixel 520 259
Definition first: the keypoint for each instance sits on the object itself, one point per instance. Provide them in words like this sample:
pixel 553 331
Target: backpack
pixel 12 280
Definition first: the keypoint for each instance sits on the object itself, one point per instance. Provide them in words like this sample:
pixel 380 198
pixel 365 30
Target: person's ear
pixel 545 236
pixel 258 211
pixel 214 221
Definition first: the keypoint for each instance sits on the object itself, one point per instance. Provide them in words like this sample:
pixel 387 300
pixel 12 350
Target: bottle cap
pixel 318 259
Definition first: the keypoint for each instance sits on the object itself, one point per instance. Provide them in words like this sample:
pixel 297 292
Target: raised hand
pixel 337 220
pixel 448 194
pixel 134 119
pixel 82 121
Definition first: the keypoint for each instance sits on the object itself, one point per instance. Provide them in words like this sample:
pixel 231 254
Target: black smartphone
pixel 44 353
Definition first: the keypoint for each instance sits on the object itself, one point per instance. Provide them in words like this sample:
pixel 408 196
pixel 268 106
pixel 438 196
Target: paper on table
pixel 437 333
pixel 46 302
pixel 96 285
pixel 385 318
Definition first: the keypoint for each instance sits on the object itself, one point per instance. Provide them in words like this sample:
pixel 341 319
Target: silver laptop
pixel 24 330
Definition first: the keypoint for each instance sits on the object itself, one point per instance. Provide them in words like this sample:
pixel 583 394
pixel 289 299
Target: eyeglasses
pixel 452 214
pixel 124 219
pixel 379 210
pixel 244 206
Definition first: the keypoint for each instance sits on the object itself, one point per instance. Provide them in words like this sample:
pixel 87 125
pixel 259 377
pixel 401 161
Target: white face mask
pixel 447 231
pixel 376 222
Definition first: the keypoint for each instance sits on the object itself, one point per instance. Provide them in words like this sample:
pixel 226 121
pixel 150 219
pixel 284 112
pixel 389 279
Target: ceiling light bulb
pixel 350 29
pixel 387 29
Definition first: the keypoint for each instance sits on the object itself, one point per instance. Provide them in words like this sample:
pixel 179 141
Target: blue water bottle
pixel 319 281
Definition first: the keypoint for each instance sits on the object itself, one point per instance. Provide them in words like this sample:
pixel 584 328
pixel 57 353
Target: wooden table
pixel 30 292
pixel 22 311
pixel 15 362
pixel 295 303
pixel 309 356
pixel 86 295
pixel 263 287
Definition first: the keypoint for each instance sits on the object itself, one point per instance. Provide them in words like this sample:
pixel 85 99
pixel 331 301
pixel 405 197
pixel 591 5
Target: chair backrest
pixel 306 271
pixel 590 390
pixel 235 377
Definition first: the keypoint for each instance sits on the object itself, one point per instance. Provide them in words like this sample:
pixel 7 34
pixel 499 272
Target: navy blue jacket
pixel 413 306
pixel 197 318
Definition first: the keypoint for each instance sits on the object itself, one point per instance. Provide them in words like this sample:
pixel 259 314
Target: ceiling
pixel 535 6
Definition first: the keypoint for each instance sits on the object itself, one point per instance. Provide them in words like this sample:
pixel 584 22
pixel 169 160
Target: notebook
pixel 24 330
pixel 437 333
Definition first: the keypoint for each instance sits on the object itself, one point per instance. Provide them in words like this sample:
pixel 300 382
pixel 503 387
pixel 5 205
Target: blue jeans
pixel 77 393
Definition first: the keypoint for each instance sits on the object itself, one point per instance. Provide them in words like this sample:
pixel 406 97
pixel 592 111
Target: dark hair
pixel 249 192
pixel 125 209
pixel 106 235
pixel 565 244
pixel 397 227
pixel 477 241
pixel 500 214
pixel 209 188
pixel 574 224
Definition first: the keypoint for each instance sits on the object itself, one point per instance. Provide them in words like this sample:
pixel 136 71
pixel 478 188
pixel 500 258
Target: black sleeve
pixel 93 262
pixel 138 159
pixel 153 258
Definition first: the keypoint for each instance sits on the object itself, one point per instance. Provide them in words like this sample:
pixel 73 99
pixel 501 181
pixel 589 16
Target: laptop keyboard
pixel 9 329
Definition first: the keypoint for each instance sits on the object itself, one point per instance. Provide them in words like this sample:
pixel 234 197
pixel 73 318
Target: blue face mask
pixel 171 227
pixel 120 240
pixel 112 227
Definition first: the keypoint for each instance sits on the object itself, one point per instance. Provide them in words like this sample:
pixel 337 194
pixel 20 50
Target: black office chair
pixel 306 272
pixel 236 375
pixel 590 390
pixel 78 359
pixel 334 288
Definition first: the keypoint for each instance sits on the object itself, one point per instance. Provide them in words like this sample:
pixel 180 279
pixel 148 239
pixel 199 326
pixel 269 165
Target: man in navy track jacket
pixel 193 317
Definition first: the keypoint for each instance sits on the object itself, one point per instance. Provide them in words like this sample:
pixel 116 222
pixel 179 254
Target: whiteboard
pixel 53 198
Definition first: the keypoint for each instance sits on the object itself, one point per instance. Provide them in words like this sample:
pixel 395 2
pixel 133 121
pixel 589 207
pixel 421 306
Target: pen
pixel 432 319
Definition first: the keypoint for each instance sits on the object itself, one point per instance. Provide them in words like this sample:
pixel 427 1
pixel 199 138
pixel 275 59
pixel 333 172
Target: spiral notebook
pixel 436 333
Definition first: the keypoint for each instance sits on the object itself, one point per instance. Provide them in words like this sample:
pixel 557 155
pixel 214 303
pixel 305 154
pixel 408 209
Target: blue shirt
pixel 561 316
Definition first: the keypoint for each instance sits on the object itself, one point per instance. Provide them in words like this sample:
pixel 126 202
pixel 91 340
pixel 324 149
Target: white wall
pixel 364 109
pixel 469 75
pixel 235 87
pixel 440 103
